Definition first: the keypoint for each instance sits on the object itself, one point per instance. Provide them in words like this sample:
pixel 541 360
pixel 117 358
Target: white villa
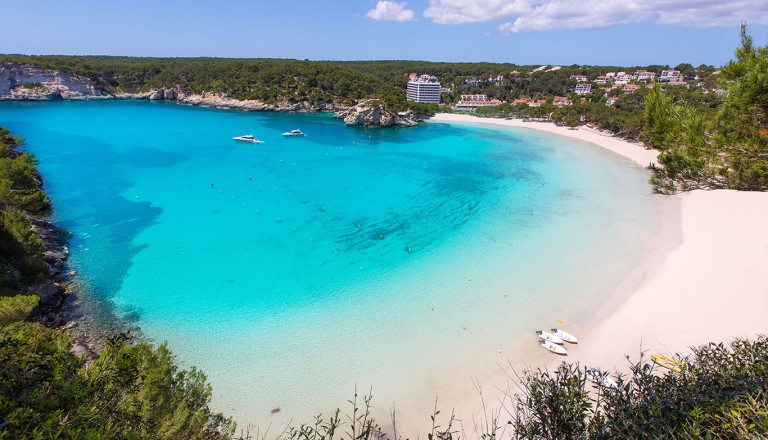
pixel 602 80
pixel 582 89
pixel 644 75
pixel 669 75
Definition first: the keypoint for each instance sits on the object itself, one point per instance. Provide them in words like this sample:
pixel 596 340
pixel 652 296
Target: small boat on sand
pixel 554 348
pixel 565 336
pixel 600 378
pixel 668 363
pixel 248 138
pixel 547 336
pixel 294 133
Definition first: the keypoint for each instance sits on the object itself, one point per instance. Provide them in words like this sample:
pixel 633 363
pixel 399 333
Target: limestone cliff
pixel 223 100
pixel 23 82
pixel 372 113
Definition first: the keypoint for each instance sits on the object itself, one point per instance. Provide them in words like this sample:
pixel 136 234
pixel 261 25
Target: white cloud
pixel 391 11
pixel 536 15
pixel 473 11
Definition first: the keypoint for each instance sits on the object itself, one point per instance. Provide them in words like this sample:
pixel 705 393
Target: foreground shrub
pixel 720 392
pixel 128 392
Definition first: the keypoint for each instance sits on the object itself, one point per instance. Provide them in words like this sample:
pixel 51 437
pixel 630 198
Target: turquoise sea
pixel 409 261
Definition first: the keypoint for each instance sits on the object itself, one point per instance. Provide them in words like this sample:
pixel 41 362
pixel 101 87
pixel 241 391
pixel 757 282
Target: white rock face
pixel 42 84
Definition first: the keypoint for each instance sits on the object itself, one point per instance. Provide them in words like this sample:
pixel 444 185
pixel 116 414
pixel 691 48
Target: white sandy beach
pixel 711 287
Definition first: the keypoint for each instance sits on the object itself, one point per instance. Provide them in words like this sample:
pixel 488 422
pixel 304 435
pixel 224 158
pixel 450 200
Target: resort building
pixel 424 89
pixel 472 102
pixel 582 89
pixel 612 100
pixel 644 75
pixel 669 75
pixel 579 78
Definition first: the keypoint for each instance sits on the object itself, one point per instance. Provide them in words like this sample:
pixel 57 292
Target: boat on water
pixel 668 363
pixel 600 378
pixel 547 336
pixel 248 138
pixel 565 336
pixel 294 133
pixel 554 348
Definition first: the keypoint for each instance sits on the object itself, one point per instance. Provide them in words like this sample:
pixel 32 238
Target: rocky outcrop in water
pixel 23 82
pixel 372 113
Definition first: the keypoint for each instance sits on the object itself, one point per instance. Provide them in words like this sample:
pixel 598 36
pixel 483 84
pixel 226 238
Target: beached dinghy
pixel 565 336
pixel 554 348
pixel 547 336
pixel 600 378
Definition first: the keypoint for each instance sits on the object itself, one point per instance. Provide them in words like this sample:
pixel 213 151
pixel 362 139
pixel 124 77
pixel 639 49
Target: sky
pixel 523 32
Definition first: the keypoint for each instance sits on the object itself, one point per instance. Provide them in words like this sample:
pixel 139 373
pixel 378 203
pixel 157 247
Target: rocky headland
pixel 30 83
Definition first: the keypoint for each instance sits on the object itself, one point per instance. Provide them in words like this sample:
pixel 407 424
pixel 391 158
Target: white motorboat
pixel 547 336
pixel 599 378
pixel 554 348
pixel 248 138
pixel 294 133
pixel 565 336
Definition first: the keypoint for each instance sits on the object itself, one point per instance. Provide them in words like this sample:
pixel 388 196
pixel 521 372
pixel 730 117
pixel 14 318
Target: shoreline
pixel 711 287
pixel 636 152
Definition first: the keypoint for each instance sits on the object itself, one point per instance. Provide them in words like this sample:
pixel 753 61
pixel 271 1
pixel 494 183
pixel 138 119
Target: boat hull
pixel 546 336
pixel 565 336
pixel 554 348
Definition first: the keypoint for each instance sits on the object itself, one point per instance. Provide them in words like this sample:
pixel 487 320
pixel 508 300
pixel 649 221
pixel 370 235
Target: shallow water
pixel 407 260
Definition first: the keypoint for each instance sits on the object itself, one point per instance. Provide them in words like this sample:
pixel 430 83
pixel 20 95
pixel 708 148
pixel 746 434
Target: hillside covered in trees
pixel 345 82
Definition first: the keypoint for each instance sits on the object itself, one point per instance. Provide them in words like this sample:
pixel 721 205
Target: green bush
pixel 16 308
pixel 129 391
pixel 720 392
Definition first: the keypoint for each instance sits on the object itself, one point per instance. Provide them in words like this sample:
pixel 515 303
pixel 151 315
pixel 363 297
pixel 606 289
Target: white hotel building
pixel 423 90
